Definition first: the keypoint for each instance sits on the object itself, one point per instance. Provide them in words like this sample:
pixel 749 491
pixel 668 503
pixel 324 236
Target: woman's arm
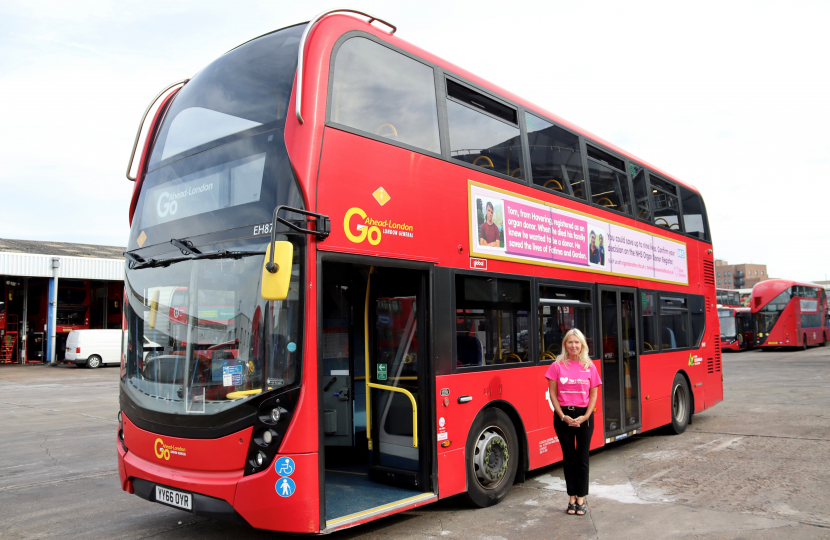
pixel 592 401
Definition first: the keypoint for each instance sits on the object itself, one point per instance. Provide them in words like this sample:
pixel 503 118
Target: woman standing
pixel 573 382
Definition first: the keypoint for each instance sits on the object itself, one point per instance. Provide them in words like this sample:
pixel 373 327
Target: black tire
pixel 489 481
pixel 681 404
pixel 93 361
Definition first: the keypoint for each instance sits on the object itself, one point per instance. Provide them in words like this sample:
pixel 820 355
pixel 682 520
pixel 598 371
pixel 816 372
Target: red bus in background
pixel 444 234
pixel 789 314
pixel 729 298
pixel 736 329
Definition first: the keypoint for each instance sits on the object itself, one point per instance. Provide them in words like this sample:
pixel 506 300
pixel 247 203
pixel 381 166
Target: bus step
pixel 398 477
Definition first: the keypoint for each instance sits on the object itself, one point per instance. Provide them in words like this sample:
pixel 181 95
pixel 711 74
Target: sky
pixel 732 97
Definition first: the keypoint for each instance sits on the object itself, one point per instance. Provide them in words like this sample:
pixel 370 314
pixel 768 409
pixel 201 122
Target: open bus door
pixel 375 382
pixel 620 362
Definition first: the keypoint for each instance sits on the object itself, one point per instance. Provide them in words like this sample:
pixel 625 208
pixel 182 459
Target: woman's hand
pixel 570 421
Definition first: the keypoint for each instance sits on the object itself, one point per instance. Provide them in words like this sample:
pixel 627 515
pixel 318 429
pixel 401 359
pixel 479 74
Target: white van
pixel 91 348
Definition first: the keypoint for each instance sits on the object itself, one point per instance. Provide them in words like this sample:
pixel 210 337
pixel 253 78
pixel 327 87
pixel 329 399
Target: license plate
pixel 174 498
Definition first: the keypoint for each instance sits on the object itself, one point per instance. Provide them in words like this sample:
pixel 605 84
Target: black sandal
pixel 571 511
pixel 581 508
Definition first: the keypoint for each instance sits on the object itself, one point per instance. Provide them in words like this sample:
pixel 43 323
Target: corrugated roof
pixel 65 249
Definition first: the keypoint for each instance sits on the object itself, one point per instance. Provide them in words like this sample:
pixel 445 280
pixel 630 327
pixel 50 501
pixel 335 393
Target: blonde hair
pixel 584 359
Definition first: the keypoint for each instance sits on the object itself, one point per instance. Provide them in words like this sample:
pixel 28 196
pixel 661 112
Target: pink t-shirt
pixel 573 382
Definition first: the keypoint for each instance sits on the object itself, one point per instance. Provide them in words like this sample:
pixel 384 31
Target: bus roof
pixel 765 291
pixel 475 79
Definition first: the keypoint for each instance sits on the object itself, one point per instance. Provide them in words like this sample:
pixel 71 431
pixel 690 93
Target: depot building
pixel 52 288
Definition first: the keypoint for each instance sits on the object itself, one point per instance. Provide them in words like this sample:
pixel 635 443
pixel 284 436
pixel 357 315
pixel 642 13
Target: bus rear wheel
pixel 492 458
pixel 93 361
pixel 681 406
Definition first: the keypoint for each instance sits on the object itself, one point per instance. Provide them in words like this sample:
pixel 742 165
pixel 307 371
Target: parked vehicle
pixel 92 348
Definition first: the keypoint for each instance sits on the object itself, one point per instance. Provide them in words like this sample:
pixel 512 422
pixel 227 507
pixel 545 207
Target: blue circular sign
pixel 292 347
pixel 285 487
pixel 284 466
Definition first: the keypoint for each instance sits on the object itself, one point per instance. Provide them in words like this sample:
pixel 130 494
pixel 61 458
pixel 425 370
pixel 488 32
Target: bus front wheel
pixel 681 406
pixel 492 458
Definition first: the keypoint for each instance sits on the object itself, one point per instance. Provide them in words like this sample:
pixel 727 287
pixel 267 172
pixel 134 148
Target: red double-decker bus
pixel 430 238
pixel 789 314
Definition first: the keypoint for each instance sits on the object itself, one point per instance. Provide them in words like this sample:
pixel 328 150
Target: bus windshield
pixel 767 316
pixel 200 338
pixel 245 90
pixel 728 328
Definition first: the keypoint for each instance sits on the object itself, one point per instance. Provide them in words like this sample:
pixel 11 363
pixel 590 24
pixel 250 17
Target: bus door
pixel 620 361
pixel 396 376
pixel 374 375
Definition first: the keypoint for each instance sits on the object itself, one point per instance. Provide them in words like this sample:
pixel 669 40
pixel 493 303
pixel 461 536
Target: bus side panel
pixel 656 413
pixel 452 471
pixel 261 498
pixel 785 331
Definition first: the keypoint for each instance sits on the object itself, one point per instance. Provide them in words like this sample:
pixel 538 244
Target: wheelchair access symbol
pixel 285 467
pixel 285 487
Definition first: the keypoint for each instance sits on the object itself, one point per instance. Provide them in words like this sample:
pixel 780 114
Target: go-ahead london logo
pixel 373 230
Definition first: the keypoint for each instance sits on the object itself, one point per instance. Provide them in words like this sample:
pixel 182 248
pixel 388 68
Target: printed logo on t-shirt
pixel 563 380
pixel 566 380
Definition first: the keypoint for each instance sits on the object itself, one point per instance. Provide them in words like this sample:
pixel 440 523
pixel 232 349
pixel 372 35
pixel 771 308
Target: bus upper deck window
pixel 694 214
pixel 609 183
pixel 642 208
pixel 386 94
pixel 666 209
pixel 483 131
pixel 555 157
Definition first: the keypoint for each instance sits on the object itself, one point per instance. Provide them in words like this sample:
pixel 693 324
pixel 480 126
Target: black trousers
pixel 575 442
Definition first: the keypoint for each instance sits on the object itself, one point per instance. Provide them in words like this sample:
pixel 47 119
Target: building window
pixel 718 274
pixel 718 281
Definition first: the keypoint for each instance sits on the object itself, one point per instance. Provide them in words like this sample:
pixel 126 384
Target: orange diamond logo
pixel 381 196
pixel 141 239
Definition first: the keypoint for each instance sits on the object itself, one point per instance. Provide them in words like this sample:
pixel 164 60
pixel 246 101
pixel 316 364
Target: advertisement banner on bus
pixel 508 226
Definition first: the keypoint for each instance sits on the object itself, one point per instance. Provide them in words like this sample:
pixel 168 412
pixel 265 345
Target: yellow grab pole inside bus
pixel 370 385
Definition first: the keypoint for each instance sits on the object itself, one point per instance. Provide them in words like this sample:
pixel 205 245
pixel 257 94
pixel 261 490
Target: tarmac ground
pixel 753 467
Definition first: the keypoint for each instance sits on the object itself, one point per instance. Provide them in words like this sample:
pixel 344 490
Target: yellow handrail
pixel 380 386
pixel 414 408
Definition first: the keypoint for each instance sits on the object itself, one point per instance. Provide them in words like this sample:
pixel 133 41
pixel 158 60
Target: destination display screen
pixel 507 226
pixel 230 184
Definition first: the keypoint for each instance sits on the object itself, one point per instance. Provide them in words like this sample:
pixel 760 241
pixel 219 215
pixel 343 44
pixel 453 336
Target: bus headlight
pixel 267 437
pixel 275 414
pixel 260 459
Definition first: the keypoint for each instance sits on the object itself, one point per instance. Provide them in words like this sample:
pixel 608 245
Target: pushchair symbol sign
pixel 284 466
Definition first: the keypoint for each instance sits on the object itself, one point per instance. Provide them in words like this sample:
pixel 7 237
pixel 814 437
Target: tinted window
pixel 697 308
pixel 694 214
pixel 609 183
pixel 243 89
pixel 492 324
pixel 385 93
pixel 650 341
pixel 555 158
pixel 71 296
pixel 666 210
pixel 479 137
pixel 560 310
pixel 642 209
pixel 674 327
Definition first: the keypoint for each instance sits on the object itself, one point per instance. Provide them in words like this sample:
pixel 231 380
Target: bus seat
pixel 469 350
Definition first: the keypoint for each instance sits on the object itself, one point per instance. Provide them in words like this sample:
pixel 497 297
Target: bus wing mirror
pixel 277 275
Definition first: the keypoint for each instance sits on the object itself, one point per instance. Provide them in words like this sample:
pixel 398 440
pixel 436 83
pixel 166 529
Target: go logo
pixel 373 233
pixel 161 451
pixel 169 207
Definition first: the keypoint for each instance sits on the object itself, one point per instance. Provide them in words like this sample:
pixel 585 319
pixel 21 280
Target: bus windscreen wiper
pixel 136 262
